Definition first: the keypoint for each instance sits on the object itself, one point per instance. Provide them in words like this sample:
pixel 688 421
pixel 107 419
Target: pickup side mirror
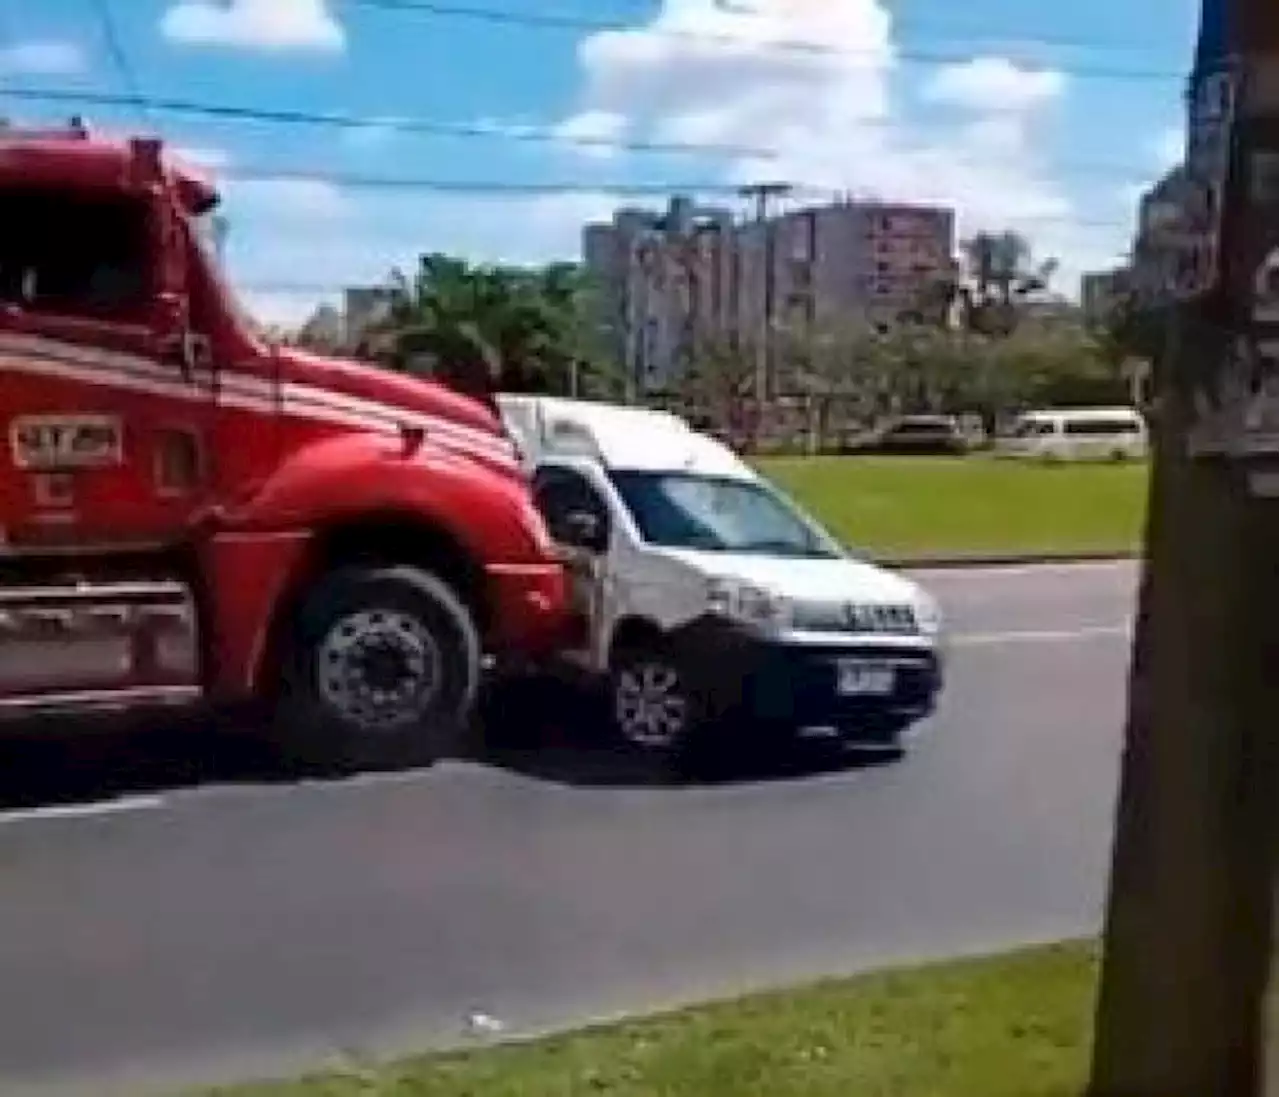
pixel 582 529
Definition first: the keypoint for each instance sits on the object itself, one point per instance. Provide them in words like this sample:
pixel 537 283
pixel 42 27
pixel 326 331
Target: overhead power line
pixel 576 23
pixel 472 186
pixel 331 120
pixel 250 173
pixel 290 117
pixel 119 58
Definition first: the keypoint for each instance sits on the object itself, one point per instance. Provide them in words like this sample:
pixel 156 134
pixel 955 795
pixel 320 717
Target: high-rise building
pixel 1100 291
pixel 662 282
pixel 1157 248
pixel 363 306
pixel 667 280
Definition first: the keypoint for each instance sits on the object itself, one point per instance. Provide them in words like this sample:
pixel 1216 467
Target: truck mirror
pixel 169 241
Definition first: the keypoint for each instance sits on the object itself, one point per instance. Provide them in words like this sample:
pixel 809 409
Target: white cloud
pixel 272 25
pixel 993 84
pixel 289 310
pixel 317 203
pixel 704 72
pixel 42 57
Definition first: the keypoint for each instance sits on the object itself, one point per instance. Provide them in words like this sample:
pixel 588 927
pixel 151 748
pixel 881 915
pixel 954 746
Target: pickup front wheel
pixel 653 709
pixel 380 671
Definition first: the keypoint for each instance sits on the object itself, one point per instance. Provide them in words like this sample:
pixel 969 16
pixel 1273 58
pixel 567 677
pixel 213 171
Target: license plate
pixel 858 678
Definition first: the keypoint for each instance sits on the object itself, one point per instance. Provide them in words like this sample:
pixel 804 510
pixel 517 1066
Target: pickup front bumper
pixel 865 689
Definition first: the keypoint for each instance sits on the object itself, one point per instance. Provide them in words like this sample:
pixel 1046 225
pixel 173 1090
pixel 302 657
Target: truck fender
pixel 261 548
pixel 334 480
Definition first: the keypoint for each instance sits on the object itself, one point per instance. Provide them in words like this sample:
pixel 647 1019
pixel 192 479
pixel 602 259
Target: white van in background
pixel 1077 434
pixel 708 598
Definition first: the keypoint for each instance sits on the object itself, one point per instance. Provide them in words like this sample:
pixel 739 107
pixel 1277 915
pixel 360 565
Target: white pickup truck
pixel 707 598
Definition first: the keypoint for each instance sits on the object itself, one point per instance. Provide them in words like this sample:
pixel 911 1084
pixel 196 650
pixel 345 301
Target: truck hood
pixel 373 398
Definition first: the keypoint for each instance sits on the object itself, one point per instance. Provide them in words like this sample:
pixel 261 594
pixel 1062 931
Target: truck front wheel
pixel 380 671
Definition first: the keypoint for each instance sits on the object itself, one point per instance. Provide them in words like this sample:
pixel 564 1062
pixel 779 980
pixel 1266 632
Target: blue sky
pixel 1004 109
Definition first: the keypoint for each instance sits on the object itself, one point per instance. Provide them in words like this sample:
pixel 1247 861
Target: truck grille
pixel 94 636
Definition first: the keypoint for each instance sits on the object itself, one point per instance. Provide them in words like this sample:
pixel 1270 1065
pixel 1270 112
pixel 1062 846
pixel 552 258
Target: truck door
pixel 104 409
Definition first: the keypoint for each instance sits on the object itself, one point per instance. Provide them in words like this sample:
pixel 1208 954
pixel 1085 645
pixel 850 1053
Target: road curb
pixel 1005 559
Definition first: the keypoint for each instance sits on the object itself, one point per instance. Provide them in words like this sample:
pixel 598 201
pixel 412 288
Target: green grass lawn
pixel 926 505
pixel 1016 1025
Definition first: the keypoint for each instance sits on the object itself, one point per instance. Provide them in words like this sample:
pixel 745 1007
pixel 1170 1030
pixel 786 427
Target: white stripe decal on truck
pixel 40 357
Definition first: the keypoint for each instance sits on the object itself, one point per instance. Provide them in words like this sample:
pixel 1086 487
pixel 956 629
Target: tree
pixel 913 368
pixel 832 362
pixel 997 276
pixel 718 378
pixel 1190 930
pixel 481 328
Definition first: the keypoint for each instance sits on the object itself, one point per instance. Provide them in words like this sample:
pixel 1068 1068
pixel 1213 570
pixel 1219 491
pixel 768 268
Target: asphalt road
pixel 241 925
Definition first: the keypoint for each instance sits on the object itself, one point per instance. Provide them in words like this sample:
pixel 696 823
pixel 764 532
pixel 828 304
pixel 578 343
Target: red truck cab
pixel 189 511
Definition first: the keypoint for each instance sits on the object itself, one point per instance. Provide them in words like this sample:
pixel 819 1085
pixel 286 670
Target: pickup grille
pixel 863 618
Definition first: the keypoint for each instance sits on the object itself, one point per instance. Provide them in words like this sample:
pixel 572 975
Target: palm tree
pixel 482 328
pixel 999 275
pixel 438 324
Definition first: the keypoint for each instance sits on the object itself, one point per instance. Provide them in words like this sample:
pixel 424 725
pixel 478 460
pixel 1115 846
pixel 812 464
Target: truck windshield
pixel 717 514
pixel 208 231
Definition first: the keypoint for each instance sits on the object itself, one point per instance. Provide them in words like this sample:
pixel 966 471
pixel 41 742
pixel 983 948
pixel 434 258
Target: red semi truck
pixel 192 513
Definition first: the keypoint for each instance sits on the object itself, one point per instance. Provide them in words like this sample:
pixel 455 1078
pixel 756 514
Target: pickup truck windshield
pixel 716 514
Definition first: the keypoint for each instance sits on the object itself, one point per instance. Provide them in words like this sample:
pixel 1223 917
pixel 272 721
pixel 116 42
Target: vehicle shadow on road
pixel 550 733
pixel 549 736
pixel 67 761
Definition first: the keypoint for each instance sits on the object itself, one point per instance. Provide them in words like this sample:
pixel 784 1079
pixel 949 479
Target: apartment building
pixel 1101 291
pixel 362 308
pixel 1158 254
pixel 667 280
pixel 663 282
pixel 332 328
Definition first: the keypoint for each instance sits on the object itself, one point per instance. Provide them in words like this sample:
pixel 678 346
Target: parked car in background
pixel 1077 434
pixel 921 434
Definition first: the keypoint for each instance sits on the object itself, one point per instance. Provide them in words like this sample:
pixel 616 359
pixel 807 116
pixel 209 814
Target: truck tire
pixel 380 671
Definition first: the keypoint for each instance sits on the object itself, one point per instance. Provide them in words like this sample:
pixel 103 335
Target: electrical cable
pixel 576 23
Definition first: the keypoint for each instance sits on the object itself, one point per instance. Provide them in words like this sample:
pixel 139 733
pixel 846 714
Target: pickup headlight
pixel 748 603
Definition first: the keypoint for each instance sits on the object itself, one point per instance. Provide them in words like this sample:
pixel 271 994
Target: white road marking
pixel 118 806
pixel 1021 571
pixel 1034 636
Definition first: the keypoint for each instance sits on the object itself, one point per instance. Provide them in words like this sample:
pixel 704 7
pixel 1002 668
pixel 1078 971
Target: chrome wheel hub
pixel 378 668
pixel 649 705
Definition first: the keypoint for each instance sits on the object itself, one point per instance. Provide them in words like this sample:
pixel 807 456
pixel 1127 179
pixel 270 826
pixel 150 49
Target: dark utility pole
pixel 1190 946
pixel 762 194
